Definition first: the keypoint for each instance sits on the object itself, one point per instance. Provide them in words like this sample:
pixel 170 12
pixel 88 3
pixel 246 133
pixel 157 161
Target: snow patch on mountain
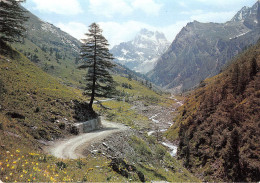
pixel 141 53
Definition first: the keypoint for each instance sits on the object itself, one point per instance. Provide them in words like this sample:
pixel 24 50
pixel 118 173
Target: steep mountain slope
pixel 219 125
pixel 141 53
pixel 51 49
pixel 201 49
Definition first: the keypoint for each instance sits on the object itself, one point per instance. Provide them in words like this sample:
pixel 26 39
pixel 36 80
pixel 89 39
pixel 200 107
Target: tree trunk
pixel 94 77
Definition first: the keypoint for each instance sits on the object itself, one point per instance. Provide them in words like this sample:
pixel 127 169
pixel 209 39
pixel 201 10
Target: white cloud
pixel 76 29
pixel 183 4
pixel 148 6
pixel 109 8
pixel 117 33
pixel 172 30
pixel 223 3
pixel 204 16
pixel 122 32
pixel 64 7
pixel 219 17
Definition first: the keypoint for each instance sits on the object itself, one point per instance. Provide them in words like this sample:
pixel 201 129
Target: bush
pixel 2 90
pixel 43 133
pixel 62 126
pixel 160 152
pixel 111 116
pixel 74 130
pixel 61 165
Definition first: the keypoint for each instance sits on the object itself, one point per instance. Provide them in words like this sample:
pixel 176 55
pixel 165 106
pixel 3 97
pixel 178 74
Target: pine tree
pixel 12 19
pixel 253 68
pixel 97 60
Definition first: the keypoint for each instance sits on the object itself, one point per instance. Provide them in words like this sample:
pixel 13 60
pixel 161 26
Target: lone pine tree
pixel 12 19
pixel 97 60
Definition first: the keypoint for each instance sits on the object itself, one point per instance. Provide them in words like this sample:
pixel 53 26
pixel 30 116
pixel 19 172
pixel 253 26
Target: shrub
pixel 62 126
pixel 61 165
pixel 74 130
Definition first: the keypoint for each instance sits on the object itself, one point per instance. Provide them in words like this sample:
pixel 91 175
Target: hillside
pixel 35 109
pixel 200 50
pixel 51 49
pixel 218 127
pixel 33 100
pixel 141 53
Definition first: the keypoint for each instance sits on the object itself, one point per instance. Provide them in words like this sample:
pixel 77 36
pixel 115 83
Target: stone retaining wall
pixel 88 126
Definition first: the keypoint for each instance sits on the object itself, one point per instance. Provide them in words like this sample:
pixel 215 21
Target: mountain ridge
pixel 200 50
pixel 218 126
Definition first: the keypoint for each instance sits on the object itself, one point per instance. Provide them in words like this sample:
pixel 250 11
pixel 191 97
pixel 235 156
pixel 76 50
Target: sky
pixel 121 20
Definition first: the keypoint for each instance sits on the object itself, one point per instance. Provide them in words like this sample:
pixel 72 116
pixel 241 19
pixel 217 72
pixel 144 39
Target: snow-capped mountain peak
pixel 141 53
pixel 247 12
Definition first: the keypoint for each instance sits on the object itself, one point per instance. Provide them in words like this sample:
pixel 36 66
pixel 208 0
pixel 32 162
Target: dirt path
pixel 73 147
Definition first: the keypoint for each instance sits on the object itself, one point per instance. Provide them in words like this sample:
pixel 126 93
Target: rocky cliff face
pixel 200 50
pixel 141 53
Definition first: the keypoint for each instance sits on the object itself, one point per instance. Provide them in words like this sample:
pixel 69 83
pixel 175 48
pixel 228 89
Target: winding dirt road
pixel 73 147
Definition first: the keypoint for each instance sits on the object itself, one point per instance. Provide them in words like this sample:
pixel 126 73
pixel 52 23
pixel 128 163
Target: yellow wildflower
pixel 18 150
pixel 37 164
pixel 21 176
pixel 6 178
pixel 7 165
pixel 11 174
pixel 29 180
pixel 14 162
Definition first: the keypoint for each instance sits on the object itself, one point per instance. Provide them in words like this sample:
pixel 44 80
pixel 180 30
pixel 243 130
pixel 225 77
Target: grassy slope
pixel 64 69
pixel 24 88
pixel 218 127
pixel 46 41
pixel 121 111
pixel 33 93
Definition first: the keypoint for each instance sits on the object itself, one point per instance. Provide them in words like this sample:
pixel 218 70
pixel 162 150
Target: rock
pixel 105 145
pixel 94 151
